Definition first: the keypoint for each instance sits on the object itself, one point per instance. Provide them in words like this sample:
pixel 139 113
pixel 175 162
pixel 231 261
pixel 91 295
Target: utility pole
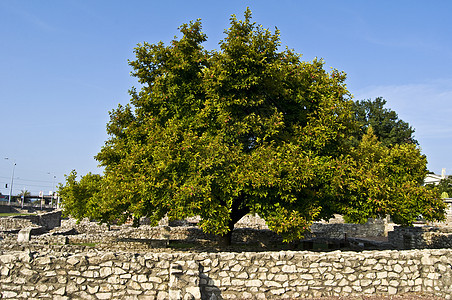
pixel 12 181
pixel 23 198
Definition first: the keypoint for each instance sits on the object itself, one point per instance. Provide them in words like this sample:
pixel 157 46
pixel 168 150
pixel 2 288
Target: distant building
pixel 434 178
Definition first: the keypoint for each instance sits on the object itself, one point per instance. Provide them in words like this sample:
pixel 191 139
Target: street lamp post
pixel 12 181
pixel 53 187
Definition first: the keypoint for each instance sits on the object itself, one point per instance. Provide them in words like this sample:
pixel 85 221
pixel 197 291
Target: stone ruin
pixel 48 228
pixel 90 261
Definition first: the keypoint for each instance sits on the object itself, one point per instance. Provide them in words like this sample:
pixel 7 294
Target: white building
pixel 434 178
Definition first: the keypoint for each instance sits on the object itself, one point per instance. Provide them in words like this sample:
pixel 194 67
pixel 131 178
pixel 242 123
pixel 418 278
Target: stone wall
pixel 17 223
pixel 247 229
pixel 91 232
pixel 98 274
pixel 50 220
pixel 425 237
pixel 335 228
pixel 372 228
pixel 47 220
pixel 5 208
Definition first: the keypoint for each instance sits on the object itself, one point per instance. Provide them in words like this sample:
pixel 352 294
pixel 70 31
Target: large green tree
pixel 385 122
pixel 247 128
pixel 220 134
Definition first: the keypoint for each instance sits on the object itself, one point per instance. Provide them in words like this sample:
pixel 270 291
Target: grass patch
pixel 3 215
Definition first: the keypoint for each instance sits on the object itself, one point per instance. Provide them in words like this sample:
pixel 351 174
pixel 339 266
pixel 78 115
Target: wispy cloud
pixel 402 40
pixel 426 106
pixel 27 16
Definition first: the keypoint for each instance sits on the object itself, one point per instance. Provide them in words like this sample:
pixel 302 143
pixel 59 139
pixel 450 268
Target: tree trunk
pixel 237 212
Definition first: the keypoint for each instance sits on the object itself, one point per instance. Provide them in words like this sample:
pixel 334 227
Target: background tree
pixel 80 198
pixel 444 186
pixel 244 129
pixel 383 181
pixel 24 192
pixel 385 122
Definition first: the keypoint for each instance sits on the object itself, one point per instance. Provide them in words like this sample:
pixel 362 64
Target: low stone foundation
pixel 48 220
pixel 98 274
pixel 248 229
pixel 423 237
pixel 372 228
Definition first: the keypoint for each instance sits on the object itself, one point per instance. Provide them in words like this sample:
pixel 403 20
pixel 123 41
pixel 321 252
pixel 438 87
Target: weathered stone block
pixel 289 268
pixel 4 271
pixel 105 272
pixel 104 295
pixel 237 268
pixel 27 272
pixel 134 285
pixel 278 291
pixel 343 282
pixel 392 290
pixel 226 281
pixel 7 258
pixel 237 282
pixel 155 279
pixel 281 277
pixel 93 289
pixel 80 280
pixel 60 291
pixel 381 275
pixel 162 295
pixel 255 283
pixel 9 294
pixel 306 276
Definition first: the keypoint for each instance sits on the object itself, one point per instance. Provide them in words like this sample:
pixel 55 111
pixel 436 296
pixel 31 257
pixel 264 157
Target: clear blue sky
pixel 63 66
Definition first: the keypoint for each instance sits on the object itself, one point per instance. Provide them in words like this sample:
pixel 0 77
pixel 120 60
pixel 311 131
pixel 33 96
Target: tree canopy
pixel 248 128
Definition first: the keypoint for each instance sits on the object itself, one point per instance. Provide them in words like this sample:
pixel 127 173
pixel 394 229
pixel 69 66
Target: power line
pixel 33 180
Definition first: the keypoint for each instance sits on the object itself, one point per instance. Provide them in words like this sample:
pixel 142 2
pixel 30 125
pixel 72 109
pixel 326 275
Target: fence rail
pixel 36 204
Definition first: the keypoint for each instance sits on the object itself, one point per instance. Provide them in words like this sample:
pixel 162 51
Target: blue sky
pixel 63 66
